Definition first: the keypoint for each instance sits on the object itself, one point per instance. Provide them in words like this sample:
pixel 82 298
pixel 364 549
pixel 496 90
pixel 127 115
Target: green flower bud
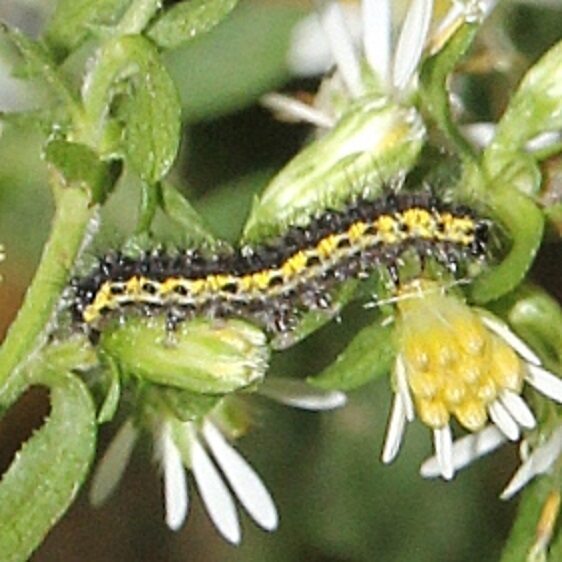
pixel 372 143
pixel 199 356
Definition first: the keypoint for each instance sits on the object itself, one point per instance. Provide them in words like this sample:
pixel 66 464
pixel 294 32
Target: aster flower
pixel 460 362
pixel 222 476
pixel 368 55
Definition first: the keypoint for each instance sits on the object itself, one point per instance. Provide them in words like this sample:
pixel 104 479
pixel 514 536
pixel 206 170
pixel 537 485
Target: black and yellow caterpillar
pixel 271 284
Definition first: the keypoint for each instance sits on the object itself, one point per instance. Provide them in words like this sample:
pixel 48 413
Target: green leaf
pixel 369 356
pixel 113 394
pixel 73 21
pixel 524 532
pixel 47 473
pixel 537 317
pixel 79 166
pixel 434 89
pixel 152 111
pixel 221 72
pixel 187 20
pixel 535 108
pixel 524 223
pixel 177 207
pixel 314 320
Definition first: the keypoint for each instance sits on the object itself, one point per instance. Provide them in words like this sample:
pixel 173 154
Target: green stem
pixel 136 18
pixel 69 229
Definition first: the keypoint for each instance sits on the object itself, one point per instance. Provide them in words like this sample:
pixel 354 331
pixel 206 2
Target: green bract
pixel 200 356
pixel 374 142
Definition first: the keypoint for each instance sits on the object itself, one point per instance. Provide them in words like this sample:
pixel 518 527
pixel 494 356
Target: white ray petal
pixel 467 449
pixel 540 461
pixel 299 394
pixel 377 36
pixel 542 141
pixel 518 409
pixel 341 44
pixel 245 482
pixel 214 493
pixel 479 134
pixel 502 330
pixel 443 443
pixel 544 381
pixel 403 388
pixel 292 109
pixel 501 417
pixel 176 497
pixel 112 465
pixel 411 42
pixel 395 431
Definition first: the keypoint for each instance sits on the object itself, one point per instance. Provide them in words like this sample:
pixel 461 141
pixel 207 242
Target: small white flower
pixel 355 40
pixel 222 475
pixel 454 361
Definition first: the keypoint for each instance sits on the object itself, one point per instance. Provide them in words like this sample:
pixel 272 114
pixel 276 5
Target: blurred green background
pixel 337 502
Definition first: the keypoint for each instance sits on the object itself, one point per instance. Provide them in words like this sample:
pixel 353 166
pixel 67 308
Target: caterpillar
pixel 272 284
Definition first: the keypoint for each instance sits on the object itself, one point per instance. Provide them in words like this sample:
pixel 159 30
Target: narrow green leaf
pixel 187 20
pixel 537 317
pixel 73 21
pixel 79 166
pixel 152 111
pixel 535 108
pixel 47 473
pixel 524 223
pixel 147 206
pixel 177 207
pixel 369 356
pixel 113 394
pixel 524 531
pixel 434 90
pixel 313 321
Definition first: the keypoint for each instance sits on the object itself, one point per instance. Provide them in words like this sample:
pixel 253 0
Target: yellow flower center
pixel 454 365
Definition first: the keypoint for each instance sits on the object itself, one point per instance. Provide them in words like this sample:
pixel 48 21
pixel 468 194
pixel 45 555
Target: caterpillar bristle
pixel 274 283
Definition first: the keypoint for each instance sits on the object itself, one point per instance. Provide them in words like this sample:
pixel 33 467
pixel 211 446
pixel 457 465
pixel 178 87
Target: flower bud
pixel 199 356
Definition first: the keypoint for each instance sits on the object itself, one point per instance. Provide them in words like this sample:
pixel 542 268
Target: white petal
pixel 403 388
pixel 518 409
pixel 443 442
pixel 395 431
pixel 111 467
pixel 542 141
pixel 176 498
pixel 298 394
pixel 501 417
pixel 466 449
pixel 215 494
pixel 377 35
pixel 411 42
pixel 341 44
pixel 243 479
pixel 502 330
pixel 539 462
pixel 545 381
pixel 295 110
pixel 479 134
